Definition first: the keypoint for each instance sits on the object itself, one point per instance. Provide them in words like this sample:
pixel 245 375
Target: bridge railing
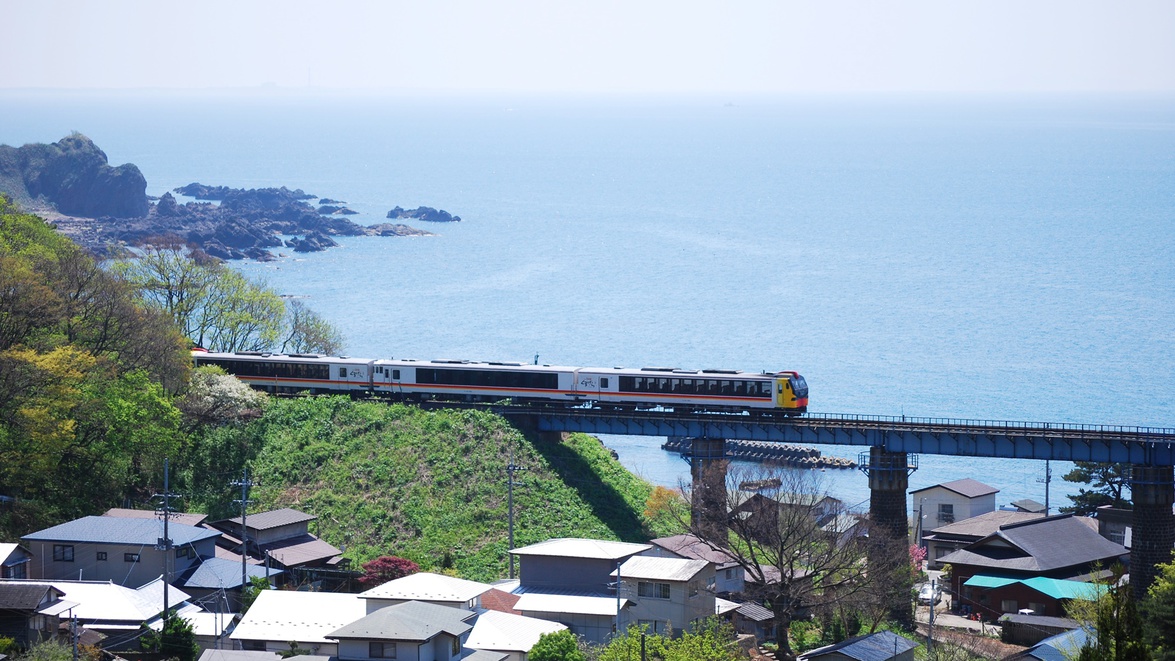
pixel 992 424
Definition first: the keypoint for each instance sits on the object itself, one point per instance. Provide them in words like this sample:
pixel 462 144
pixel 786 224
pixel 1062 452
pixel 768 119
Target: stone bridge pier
pixel 708 497
pixel 1153 491
pixel 889 478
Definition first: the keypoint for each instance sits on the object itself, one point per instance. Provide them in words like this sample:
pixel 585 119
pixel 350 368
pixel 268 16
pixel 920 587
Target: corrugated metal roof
pixel 965 487
pixel 692 547
pixel 186 518
pixel 109 602
pixel 214 573
pixel 119 530
pixel 660 569
pixel 988 582
pixel 510 633
pixel 880 646
pixel 305 617
pixel 300 550
pixel 541 602
pixel 426 586
pixel 411 620
pixel 572 547
pixel 273 519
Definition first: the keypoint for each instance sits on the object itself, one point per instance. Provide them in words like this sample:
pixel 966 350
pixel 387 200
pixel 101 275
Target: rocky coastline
pixel 104 208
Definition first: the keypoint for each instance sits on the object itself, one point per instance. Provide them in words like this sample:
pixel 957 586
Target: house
pixel 754 619
pixel 283 537
pixel 1041 595
pixel 670 594
pixel 408 631
pixel 119 612
pixel 429 588
pixel 729 575
pixel 569 580
pixel 954 536
pixel 14 561
pixel 216 582
pixel 946 503
pixel 1115 524
pixel 512 635
pixel 1028 630
pixel 29 612
pixel 1029 505
pixel 990 576
pixel 1061 647
pixel 761 512
pixel 279 617
pixel 880 646
pixel 123 550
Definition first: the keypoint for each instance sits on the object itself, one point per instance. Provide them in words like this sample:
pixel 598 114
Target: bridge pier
pixel 707 467
pixel 1153 491
pixel 889 478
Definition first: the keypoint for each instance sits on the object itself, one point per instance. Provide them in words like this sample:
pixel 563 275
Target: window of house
pixel 456 647
pixel 693 588
pixel 182 552
pixel 101 555
pixel 1009 605
pixel 653 626
pixel 63 552
pixel 729 574
pixel 652 590
pixel 381 650
pixel 946 513
pixel 130 557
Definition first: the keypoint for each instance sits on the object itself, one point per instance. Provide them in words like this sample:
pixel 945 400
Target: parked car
pixel 929 594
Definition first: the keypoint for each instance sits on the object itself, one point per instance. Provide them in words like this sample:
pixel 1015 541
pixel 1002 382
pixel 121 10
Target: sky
pixel 594 46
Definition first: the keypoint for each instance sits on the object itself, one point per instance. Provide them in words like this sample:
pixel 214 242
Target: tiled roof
pixel 500 600
pixel 301 550
pixel 980 526
pixel 660 569
pixel 965 487
pixel 1037 545
pixel 117 530
pixel 879 646
pixel 756 612
pixel 569 547
pixel 426 586
pixel 1029 505
pixel 508 633
pixel 22 596
pixel 411 620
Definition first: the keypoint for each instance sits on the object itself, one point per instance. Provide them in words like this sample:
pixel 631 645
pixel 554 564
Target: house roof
pixel 214 573
pixel 878 646
pixel 104 601
pixel 485 655
pixel 508 633
pixel 499 600
pixel 249 655
pixel 1038 545
pixel 119 530
pixel 692 547
pixel 271 519
pixel 1041 621
pixel 1061 647
pixel 965 487
pixel 755 612
pixel 1029 505
pixel 580 602
pixel 660 569
pixel 306 617
pixel 572 547
pixel 186 518
pixel 978 527
pixel 723 606
pixel 301 550
pixel 411 620
pixel 425 586
pixel 23 596
pixel 7 551
pixel 1052 587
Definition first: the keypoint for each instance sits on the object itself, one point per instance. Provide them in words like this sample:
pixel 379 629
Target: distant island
pixel 100 207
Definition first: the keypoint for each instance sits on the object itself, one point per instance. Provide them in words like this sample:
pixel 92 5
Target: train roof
pixel 442 363
pixel 291 357
pixel 671 372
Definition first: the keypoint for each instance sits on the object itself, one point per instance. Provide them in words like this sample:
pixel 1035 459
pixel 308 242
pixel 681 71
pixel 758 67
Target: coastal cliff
pixel 75 177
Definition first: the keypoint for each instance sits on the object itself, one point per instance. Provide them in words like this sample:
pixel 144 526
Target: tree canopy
pixel 1109 483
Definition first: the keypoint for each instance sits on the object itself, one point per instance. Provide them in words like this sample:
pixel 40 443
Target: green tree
pixel 177 640
pixel 48 650
pixel 307 332
pixel 1114 621
pixel 1158 613
pixel 557 646
pixel 1108 483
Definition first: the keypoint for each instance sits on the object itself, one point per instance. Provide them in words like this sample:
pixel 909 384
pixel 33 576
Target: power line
pixel 164 543
pixel 244 501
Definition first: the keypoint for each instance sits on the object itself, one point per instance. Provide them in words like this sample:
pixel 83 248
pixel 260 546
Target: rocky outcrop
pixel 390 229
pixel 73 176
pixel 425 213
pixel 330 209
pixel 312 242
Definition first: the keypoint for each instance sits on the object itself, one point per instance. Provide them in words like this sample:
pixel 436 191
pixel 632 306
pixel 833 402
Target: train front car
pixel 295 373
pixel 791 393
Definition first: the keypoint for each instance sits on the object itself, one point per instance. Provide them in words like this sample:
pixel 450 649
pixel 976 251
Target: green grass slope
pixel 431 486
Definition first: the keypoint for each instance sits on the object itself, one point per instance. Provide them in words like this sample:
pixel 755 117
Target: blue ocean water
pixel 969 257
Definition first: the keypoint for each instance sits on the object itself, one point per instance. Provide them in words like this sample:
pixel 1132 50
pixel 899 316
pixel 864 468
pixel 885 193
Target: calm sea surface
pixel 992 258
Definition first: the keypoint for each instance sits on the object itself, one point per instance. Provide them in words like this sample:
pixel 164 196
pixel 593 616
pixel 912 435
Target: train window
pixel 603 382
pixel 687 385
pixel 396 375
pixel 342 372
pixel 740 387
pixel 726 387
pixel 663 385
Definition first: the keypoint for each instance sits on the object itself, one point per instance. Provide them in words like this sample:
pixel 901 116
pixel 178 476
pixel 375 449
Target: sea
pixel 970 256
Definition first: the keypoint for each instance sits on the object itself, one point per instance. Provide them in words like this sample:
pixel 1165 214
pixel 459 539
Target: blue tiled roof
pixel 880 646
pixel 118 530
pixel 213 573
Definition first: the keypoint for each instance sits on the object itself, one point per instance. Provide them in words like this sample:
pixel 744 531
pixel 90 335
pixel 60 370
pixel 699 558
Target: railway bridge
pixel 892 440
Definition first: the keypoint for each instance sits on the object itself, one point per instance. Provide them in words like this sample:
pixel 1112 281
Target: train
pixel 667 388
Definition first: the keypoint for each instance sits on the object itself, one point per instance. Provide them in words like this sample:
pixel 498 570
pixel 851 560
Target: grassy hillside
pixel 431 486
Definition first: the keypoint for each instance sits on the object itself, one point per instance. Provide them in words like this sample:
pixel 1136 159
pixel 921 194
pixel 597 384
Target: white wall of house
pixel 687 602
pixel 592 628
pixel 940 506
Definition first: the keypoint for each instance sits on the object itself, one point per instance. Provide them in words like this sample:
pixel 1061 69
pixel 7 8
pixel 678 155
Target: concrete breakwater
pixel 786 454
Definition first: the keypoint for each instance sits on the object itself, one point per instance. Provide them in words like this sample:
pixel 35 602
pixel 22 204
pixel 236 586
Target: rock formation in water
pixel 74 177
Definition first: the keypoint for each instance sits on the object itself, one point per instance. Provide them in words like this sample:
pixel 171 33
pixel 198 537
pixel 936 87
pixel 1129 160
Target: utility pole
pixel 1048 478
pixel 510 470
pixel 164 543
pixel 244 483
pixel 930 626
